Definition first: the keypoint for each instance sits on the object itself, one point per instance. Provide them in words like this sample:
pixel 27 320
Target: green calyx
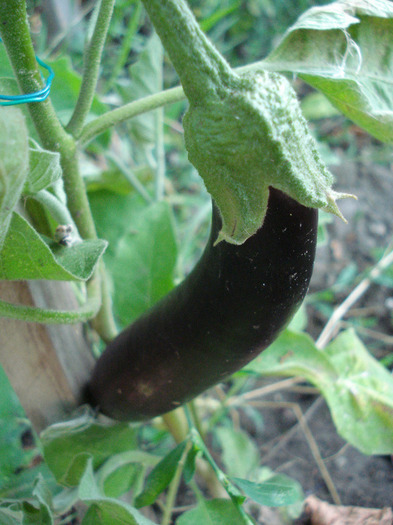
pixel 243 133
pixel 251 137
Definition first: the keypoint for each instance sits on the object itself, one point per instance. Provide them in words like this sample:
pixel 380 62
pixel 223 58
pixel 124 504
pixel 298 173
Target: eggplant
pixel 231 306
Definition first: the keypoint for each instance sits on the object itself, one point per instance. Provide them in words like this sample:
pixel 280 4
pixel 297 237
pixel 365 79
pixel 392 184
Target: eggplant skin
pixel 231 306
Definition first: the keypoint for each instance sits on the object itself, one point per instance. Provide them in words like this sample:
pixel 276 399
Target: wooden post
pixel 46 365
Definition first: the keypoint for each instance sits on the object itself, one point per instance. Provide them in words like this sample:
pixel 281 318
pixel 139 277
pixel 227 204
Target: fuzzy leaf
pixel 14 161
pixel 26 255
pixel 344 49
pixel 240 454
pixel 277 491
pixel 68 446
pixel 160 477
pixel 105 511
pixel 44 170
pixel 357 388
pixel 212 512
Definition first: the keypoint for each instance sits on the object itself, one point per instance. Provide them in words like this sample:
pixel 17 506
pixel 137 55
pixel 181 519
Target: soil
pixel 360 480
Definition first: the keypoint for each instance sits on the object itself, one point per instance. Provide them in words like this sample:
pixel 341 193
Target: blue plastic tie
pixel 37 96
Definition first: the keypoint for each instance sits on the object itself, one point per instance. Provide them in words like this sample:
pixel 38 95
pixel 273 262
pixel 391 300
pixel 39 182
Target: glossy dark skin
pixel 230 307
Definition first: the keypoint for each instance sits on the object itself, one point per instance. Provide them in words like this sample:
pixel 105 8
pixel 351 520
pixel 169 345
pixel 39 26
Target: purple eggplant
pixel 233 304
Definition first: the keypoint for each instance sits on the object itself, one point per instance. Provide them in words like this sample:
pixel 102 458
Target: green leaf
pixel 26 255
pixel 190 463
pixel 299 321
pixel 357 388
pixel 44 170
pixel 14 159
pixel 144 264
pixel 294 353
pixel 106 511
pixel 345 51
pixel 142 252
pixel 10 516
pixel 277 491
pixel 240 454
pixel 146 79
pixel 160 477
pixel 364 389
pixel 121 471
pixel 32 511
pixel 212 512
pixel 68 446
pixel 40 514
pixel 114 180
pixel 12 456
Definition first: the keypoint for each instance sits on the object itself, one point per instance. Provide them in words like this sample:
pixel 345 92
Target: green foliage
pixel 345 53
pixel 211 512
pixel 160 477
pixel 44 170
pixel 68 446
pixel 278 490
pixel 239 452
pixel 27 255
pixel 13 164
pixel 142 257
pixel 357 388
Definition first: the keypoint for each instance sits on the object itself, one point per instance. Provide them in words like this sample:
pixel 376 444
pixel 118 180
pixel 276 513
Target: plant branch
pixel 201 68
pixel 354 296
pixel 91 67
pixel 130 110
pixel 104 323
pixel 174 486
pixel 302 421
pixel 176 423
pixel 231 489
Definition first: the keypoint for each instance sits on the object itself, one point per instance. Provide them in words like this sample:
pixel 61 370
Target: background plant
pixel 124 173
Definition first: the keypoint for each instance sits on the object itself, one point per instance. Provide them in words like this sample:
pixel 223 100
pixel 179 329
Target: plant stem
pixel 47 316
pixel 104 323
pixel 160 155
pixel 201 68
pixel 91 67
pixel 57 209
pixel 130 110
pixel 174 486
pixel 15 33
pixel 14 30
pixel 232 491
pixel 176 423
